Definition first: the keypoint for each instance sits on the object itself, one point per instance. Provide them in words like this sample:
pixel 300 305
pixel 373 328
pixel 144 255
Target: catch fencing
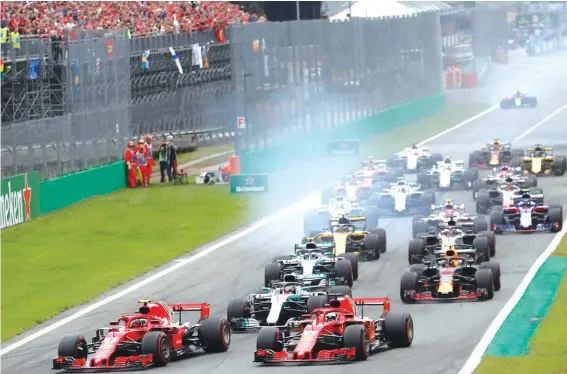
pixel 93 91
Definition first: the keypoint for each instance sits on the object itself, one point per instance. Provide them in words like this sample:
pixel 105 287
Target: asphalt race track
pixel 445 334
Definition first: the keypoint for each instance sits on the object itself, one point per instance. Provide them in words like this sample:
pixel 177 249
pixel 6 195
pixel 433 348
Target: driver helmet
pixel 138 323
pixel 518 93
pixel 447 160
pixel 333 316
pixel 504 169
pixel 290 288
pixel 510 187
pixel 453 262
pixel 414 146
pixel 496 142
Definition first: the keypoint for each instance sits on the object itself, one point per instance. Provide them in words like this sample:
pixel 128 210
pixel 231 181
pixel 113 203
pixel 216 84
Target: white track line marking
pixel 543 121
pixel 476 356
pixel 181 263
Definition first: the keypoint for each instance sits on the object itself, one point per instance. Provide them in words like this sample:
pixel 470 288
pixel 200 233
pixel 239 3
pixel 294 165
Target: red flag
pixel 220 35
pixel 109 48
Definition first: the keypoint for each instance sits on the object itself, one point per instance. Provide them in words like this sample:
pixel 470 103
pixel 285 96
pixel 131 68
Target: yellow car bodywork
pixel 340 239
pixel 534 165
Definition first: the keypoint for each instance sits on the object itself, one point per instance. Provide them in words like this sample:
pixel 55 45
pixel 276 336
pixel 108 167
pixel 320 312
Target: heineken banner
pixel 20 199
pixel 249 183
pixel 343 147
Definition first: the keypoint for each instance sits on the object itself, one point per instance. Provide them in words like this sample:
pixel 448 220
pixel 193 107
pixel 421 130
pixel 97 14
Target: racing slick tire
pixel 480 224
pixel 535 191
pixel 215 335
pixel 427 200
pixel 343 269
pixel 269 339
pixel 434 158
pixel 505 104
pixel 496 218
pixel 271 273
pixel 72 346
pixel 497 207
pixel 495 268
pixel 423 180
pixel 338 291
pixel 398 329
pixel 515 162
pixel 408 282
pixel 560 166
pixel 517 153
pixel 316 302
pixel 555 215
pixel 530 101
pixel 157 344
pixel 474 159
pixel 477 186
pixel 237 309
pixel 419 227
pixel 469 176
pixel 415 251
pixel 482 203
pixel 382 239
pixel 417 268
pixel 482 247
pixel 356 336
pixel 372 243
pixel 485 279
pixel 353 258
pixel 491 241
pixel 531 180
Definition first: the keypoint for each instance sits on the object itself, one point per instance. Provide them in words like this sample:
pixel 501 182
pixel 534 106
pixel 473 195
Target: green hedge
pixel 314 144
pixel 61 192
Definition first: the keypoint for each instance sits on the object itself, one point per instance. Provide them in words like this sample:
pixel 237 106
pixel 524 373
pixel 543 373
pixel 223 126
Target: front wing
pixel 340 355
pixel 542 227
pixel 424 297
pixel 120 364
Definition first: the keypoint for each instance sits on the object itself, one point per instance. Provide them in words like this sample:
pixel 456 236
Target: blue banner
pixel 33 72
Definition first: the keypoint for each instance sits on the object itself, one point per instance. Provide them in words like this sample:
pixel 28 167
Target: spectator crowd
pixel 140 18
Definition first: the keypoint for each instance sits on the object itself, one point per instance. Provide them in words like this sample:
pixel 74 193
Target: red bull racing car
pixel 153 336
pixel 337 333
pixel 450 278
pixel 494 154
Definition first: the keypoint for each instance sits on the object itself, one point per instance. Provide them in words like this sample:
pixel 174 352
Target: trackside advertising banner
pixel 19 199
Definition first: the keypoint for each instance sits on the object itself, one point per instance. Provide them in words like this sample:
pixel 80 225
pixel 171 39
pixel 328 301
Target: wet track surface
pixel 445 334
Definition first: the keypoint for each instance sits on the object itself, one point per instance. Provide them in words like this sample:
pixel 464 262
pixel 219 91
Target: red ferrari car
pixel 334 334
pixel 153 336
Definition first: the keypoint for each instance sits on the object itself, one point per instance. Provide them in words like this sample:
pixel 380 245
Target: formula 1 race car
pixel 336 333
pixel 505 195
pixel 498 179
pixel 414 159
pixel 275 306
pixel 314 264
pixel 480 247
pixel 494 154
pixel 450 279
pixel 448 174
pixel 404 198
pixel 340 207
pixel 443 215
pixel 379 171
pixel 527 216
pixel 348 239
pixel 518 100
pixel 540 160
pixel 150 337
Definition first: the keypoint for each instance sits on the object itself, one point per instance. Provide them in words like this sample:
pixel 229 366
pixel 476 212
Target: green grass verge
pixel 548 347
pixel 73 255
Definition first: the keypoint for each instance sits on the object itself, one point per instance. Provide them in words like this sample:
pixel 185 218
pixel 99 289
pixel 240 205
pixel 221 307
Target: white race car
pixel 405 197
pixel 445 213
pixel 448 174
pixel 414 159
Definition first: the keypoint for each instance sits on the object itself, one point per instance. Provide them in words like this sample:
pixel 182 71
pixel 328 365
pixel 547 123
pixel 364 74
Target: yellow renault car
pixel 540 160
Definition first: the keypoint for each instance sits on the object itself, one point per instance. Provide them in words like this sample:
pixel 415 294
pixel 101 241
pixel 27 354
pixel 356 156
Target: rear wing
pixel 373 301
pixel 203 308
